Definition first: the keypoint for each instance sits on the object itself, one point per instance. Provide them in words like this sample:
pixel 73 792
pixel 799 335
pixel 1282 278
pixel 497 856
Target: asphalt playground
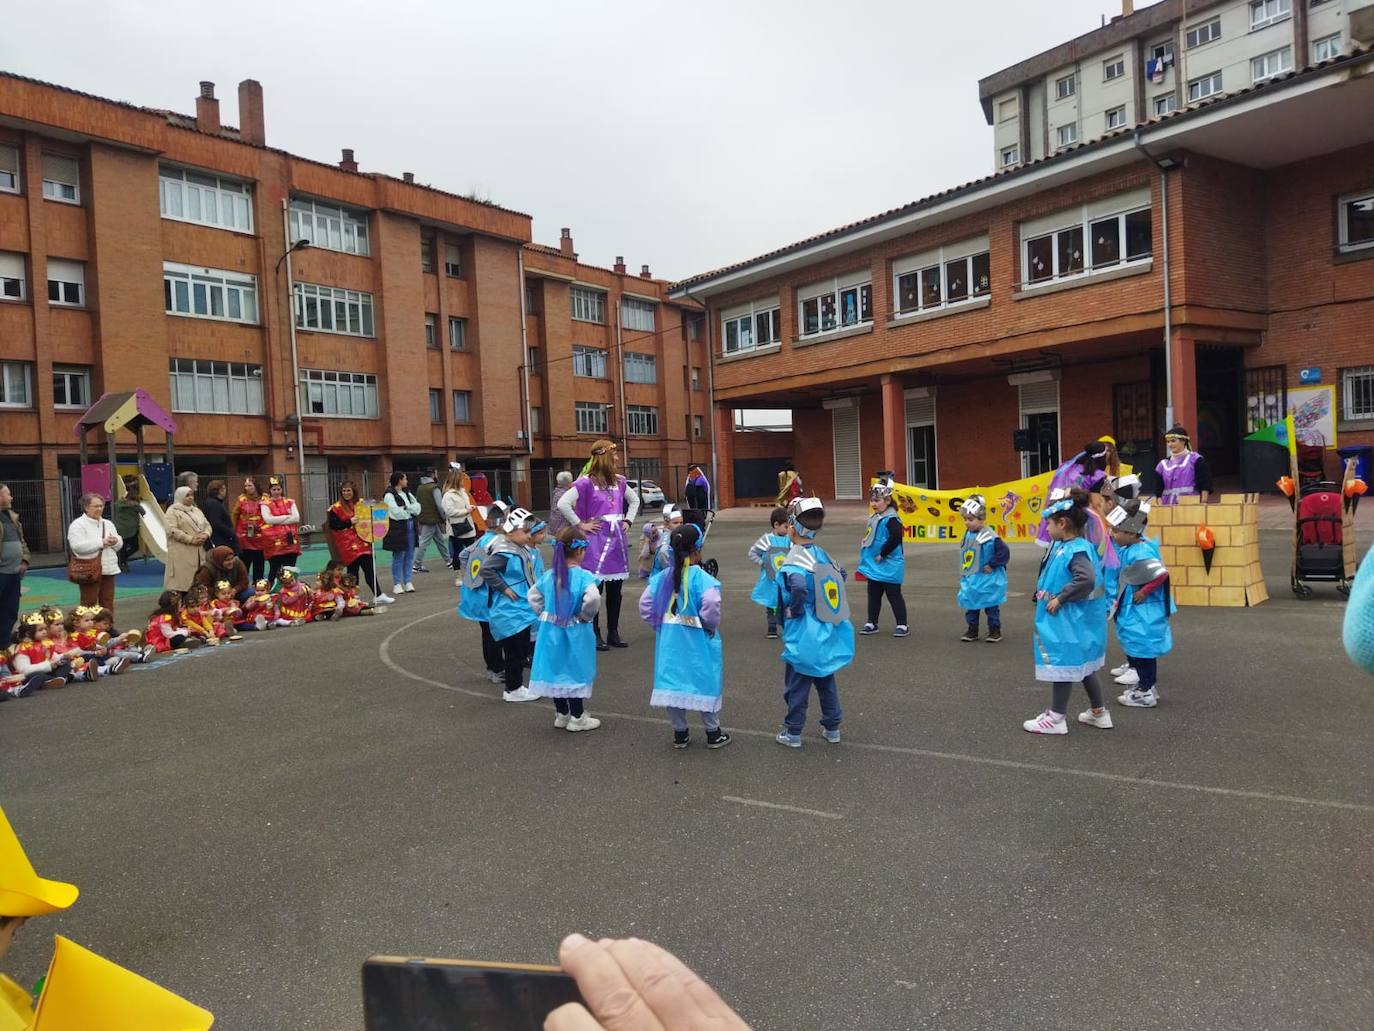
pixel 247 824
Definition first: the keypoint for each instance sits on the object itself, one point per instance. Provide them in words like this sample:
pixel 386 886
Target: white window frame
pixel 1267 66
pixel 453 261
pixel 178 187
pixel 431 330
pixel 1264 13
pixel 13 281
pixel 1327 48
pixel 536 420
pixel 1212 80
pixel 698 427
pixel 70 374
pixel 1165 104
pixel 223 380
pixel 317 383
pixel 695 377
pixel 457 333
pixel 1002 116
pixel 939 261
pixel 1083 219
pixel 1011 155
pixel 587 304
pixel 1343 218
pixel 61 190
pixel 1065 87
pixel 641 420
pixel 465 396
pixel 589 362
pixel 65 267
pixel 743 323
pixel 11 175
pixel 1194 36
pixel 329 298
pixel 644 366
pixel 835 290
pixel 436 405
pixel 1349 378
pixel 1163 51
pixel 1114 68
pixel 593 417
pixel 14 374
pixel 187 283
pixel 1116 118
pixel 637 315
pixel 330 227
pixel 1065 135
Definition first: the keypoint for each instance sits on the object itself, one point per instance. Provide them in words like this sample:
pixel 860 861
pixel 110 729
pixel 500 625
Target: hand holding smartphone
pixel 406 993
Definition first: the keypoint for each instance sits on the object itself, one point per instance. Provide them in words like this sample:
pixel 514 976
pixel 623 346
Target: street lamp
pixel 299 245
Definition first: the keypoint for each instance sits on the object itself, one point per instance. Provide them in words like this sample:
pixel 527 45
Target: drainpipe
pixel 710 389
pixel 620 380
pixel 525 365
pixel 295 356
pixel 1164 166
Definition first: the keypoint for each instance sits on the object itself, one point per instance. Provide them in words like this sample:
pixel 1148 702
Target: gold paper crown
pixel 85 610
pixel 261 586
pixel 54 616
pixel 221 585
pixel 288 574
pixel 274 481
pixel 35 619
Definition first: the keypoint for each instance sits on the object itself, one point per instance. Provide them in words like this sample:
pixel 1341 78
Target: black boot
pixel 601 645
pixel 613 640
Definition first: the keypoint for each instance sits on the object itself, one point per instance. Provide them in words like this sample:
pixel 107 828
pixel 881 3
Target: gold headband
pixel 605 450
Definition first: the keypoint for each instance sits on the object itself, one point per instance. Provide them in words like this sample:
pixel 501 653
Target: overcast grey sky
pixel 684 135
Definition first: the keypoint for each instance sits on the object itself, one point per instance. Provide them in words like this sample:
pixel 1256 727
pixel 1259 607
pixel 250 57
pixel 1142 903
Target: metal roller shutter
pixel 848 470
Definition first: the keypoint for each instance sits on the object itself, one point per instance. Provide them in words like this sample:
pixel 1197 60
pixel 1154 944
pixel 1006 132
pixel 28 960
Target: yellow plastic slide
pixel 152 528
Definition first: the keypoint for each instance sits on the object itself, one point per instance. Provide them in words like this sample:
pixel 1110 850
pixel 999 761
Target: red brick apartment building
pixel 1211 253
pixel 161 237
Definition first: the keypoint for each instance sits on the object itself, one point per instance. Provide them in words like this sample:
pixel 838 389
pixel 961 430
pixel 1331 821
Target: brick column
pixel 1183 374
pixel 723 446
pixel 894 426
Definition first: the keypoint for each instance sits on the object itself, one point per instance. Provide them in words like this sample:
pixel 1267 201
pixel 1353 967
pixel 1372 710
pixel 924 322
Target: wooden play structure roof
pixel 130 410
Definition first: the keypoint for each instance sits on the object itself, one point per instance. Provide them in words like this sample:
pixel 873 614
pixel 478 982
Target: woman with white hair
pixel 557 521
pixel 91 535
pixel 187 532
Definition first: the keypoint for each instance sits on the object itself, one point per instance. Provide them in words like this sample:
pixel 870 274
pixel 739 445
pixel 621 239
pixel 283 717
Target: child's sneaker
pixel 971 634
pixel 869 628
pixel 1129 678
pixel 682 738
pixel 53 682
pixel 561 720
pixel 901 631
pixel 520 694
pixel 1101 720
pixel 91 673
pixel 833 736
pixel 772 634
pixel 1139 699
pixel 1118 670
pixel 149 652
pixel 790 740
pixel 994 635
pixel 260 622
pixel 1048 722
pixel 583 722
pixel 717 738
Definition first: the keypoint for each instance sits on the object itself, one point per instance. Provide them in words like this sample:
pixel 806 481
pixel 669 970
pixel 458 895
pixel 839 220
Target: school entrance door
pixel 1044 428
pixel 920 448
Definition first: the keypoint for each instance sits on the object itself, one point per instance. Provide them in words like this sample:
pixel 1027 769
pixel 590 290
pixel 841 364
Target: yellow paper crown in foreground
pixel 22 891
pixel 84 992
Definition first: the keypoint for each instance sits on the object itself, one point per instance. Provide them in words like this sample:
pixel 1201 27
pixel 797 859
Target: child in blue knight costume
pixel 1070 638
pixel 507 573
pixel 883 560
pixel 818 638
pixel 983 558
pixel 682 604
pixel 566 599
pixel 768 553
pixel 472 599
pixel 1143 605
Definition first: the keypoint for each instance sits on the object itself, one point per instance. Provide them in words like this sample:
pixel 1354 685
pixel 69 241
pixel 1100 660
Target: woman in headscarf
pixel 187 532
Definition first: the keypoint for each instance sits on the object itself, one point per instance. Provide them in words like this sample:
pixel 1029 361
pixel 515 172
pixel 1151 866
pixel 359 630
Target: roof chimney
pixel 619 265
pixel 408 177
pixel 1127 8
pixel 251 128
pixel 207 108
pixel 565 244
pixel 346 162
pixel 644 272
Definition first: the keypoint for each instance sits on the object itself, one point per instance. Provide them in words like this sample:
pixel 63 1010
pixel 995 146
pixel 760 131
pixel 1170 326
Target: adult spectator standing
pixel 402 508
pixel 429 524
pixel 281 541
pixel 189 479
pixel 561 484
pixel 89 536
pixel 603 507
pixel 187 532
pixel 14 563
pixel 222 564
pixel 698 489
pixel 455 507
pixel 354 552
pixel 247 516
pixel 789 484
pixel 127 512
pixel 222 534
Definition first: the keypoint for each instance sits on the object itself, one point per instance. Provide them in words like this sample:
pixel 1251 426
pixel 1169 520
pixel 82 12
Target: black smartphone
pixel 408 993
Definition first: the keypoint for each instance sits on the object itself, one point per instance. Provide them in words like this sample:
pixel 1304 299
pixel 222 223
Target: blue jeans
pixel 796 692
pixel 994 617
pixel 403 562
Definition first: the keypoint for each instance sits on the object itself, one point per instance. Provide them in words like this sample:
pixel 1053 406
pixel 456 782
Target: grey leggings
pixel 709 720
pixel 1063 688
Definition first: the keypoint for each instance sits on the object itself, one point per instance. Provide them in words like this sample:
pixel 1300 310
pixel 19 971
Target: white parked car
pixel 650 493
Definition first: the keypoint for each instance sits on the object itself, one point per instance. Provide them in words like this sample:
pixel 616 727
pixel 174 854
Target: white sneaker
pixel 383 599
pixel 1092 719
pixel 1129 678
pixel 409 588
pixel 1139 699
pixel 520 694
pixel 1118 670
pixel 1048 722
pixel 260 622
pixel 561 720
pixel 583 722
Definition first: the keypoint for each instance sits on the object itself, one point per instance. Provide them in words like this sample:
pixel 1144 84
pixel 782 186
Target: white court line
pixel 785 808
pixel 384 653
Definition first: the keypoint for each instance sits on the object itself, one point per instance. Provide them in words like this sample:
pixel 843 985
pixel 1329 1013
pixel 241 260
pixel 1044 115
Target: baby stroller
pixel 1311 467
pixel 702 518
pixel 1324 513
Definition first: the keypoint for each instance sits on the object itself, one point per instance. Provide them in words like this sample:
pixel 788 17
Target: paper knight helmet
pixel 975 506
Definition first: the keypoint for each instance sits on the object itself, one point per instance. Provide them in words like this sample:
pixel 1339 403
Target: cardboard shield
pixel 832 604
pixel 471 558
pixel 777 558
pixel 967 559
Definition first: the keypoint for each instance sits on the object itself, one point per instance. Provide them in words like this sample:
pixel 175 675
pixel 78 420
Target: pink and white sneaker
pixel 1048 722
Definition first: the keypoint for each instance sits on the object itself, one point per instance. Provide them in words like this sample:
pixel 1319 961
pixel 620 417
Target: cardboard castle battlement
pixel 1235 578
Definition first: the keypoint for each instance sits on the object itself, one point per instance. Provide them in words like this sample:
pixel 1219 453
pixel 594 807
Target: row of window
pixel 462 405
pixel 594 417
pixel 589 305
pixel 590 362
pixel 457 332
